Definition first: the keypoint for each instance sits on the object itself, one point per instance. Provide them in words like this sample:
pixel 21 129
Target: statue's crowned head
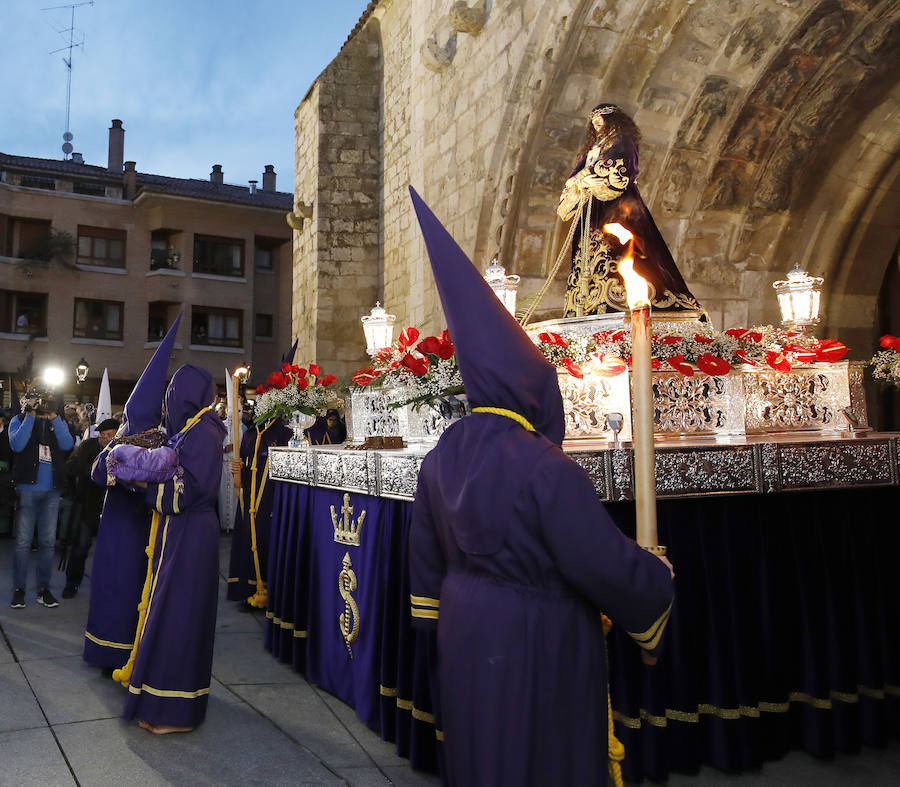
pixel 606 123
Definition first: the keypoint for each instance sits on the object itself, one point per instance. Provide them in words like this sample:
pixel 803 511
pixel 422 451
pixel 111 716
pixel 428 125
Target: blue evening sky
pixel 195 82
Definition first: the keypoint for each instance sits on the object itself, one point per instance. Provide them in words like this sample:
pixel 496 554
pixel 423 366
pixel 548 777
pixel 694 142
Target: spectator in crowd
pixel 6 493
pixel 40 439
pixel 88 498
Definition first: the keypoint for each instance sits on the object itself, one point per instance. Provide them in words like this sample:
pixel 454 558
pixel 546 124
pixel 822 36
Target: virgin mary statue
pixel 602 190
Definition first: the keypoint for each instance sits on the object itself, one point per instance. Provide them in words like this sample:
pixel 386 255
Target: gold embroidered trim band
pixel 419 715
pixel 753 712
pixel 169 693
pixel 106 643
pixel 649 639
pixel 424 601
pixel 519 419
pixel 424 613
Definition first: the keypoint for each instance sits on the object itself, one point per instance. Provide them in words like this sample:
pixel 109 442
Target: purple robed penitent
pixel 171 677
pixel 513 558
pixel 120 559
pixel 241 568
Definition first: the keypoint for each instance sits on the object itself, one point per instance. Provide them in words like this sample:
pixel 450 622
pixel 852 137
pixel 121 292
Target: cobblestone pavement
pixel 60 725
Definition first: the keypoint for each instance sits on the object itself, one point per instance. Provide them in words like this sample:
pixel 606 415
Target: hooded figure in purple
pixel 120 558
pixel 258 494
pixel 513 558
pixel 170 682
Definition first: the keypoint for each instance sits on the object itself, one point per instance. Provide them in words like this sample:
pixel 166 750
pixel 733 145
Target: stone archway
pixel 770 136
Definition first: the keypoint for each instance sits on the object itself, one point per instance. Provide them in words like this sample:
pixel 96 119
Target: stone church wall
pixel 770 136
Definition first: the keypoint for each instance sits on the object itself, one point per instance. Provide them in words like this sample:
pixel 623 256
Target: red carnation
pixel 699 337
pixel 408 337
pixel 572 368
pixel 418 366
pixel 300 372
pixel 737 333
pixel 713 365
pixel 678 363
pixel 445 349
pixel 831 350
pixel 277 380
pixel 888 342
pixel 430 344
pixel 364 376
pixel 303 383
pixel 669 339
pixel 315 369
pixel 285 367
pixel 777 361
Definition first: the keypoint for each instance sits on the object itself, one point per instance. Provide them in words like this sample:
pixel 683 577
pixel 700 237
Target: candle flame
pixel 624 235
pixel 637 291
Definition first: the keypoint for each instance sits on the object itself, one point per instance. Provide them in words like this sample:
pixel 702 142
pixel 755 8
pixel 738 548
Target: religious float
pixel 745 455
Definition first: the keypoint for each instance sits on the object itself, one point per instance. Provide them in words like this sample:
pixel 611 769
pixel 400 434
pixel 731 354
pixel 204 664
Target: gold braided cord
pixel 566 247
pixel 615 747
pixel 260 598
pixel 123 674
pixel 519 419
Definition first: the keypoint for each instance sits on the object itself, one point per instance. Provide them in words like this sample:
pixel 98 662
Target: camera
pixel 34 402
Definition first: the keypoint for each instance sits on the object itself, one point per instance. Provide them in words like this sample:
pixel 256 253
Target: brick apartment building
pixel 96 261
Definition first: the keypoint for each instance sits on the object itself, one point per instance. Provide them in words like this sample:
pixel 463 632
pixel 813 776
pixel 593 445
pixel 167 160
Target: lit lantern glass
pixel 506 288
pixel 81 370
pixel 798 299
pixel 378 327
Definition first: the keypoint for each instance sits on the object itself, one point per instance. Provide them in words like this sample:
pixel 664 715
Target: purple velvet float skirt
pixel 523 685
pixel 171 678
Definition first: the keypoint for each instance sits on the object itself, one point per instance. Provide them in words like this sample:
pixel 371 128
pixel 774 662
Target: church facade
pixel 769 138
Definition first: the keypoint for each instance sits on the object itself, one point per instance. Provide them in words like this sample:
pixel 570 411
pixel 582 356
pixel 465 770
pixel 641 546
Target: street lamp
pixel 798 299
pixel 81 373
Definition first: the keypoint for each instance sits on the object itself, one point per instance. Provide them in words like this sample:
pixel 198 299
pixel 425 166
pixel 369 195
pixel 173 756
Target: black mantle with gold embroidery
pixel 594 285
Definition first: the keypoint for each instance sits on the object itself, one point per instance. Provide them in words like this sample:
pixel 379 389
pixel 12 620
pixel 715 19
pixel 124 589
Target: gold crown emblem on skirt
pixel 346 531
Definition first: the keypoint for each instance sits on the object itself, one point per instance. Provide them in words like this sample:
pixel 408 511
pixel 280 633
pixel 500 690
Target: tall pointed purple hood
pixel 288 357
pixel 500 365
pixel 143 410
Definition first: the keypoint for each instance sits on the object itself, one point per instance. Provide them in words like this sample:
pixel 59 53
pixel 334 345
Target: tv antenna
pixel 73 44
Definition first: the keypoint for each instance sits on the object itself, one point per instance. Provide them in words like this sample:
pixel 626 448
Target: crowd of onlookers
pixel 47 500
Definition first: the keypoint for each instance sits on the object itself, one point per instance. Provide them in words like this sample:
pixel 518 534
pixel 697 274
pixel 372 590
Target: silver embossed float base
pixel 751 465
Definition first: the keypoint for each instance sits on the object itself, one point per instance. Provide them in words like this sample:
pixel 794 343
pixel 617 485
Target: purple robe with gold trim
pixel 172 669
pixel 513 557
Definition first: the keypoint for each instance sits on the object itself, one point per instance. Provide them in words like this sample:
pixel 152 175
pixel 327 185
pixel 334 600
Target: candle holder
pixel 506 288
pixel 299 423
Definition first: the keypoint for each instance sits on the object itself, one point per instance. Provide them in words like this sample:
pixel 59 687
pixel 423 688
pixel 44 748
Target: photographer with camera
pixel 40 439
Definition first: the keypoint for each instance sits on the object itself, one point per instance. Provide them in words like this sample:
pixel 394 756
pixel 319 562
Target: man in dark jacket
pixel 40 439
pixel 88 498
